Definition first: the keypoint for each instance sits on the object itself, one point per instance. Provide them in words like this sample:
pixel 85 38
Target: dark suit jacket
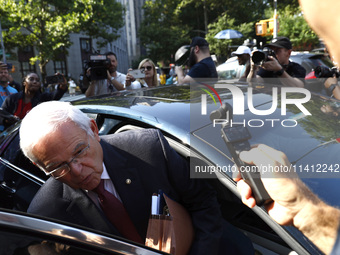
pixel 144 157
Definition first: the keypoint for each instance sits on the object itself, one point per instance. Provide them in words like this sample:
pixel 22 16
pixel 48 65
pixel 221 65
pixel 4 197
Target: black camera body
pixel 99 65
pixel 261 56
pixel 325 72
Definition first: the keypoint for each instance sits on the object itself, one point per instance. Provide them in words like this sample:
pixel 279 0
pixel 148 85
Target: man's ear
pixel 94 129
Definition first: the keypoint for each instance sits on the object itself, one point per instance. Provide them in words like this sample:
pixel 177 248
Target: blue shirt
pixel 203 69
pixel 5 92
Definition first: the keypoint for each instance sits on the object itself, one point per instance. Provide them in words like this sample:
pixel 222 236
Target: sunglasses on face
pixel 146 67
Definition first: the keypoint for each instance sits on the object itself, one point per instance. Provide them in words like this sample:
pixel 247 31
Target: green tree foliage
pixel 161 32
pixel 46 25
pixel 281 4
pixel 294 26
pixel 171 24
pixel 105 22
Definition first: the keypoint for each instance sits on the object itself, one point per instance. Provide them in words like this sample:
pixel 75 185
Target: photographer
pixel 200 62
pixel 114 82
pixel 277 65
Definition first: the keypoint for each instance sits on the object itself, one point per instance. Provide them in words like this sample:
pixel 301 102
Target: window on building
pixel 85 49
pixel 60 65
pixel 24 55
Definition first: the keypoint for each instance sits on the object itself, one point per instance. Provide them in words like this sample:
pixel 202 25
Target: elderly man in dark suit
pixel 65 144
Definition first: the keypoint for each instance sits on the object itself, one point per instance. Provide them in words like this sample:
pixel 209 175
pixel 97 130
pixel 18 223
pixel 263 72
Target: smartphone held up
pixel 137 73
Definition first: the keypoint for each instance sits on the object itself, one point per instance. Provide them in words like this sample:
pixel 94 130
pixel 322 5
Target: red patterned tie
pixel 117 214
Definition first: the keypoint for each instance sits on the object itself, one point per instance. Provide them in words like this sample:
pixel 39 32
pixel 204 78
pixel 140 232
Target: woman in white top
pixel 150 79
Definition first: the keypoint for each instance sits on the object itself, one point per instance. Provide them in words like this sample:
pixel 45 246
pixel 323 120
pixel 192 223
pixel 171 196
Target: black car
pixel 307 133
pixel 311 60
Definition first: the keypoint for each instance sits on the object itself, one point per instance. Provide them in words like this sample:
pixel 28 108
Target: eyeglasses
pixel 146 67
pixel 65 168
pixel 33 79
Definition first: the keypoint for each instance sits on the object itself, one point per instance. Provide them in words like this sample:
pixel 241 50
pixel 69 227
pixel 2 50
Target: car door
pixel 25 234
pixel 19 178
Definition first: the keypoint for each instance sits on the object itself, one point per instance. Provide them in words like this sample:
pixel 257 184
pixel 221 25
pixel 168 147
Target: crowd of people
pixel 18 99
pixel 200 64
pixel 277 69
pixel 54 132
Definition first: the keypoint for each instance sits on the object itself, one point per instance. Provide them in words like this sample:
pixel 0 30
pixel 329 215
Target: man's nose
pixel 76 167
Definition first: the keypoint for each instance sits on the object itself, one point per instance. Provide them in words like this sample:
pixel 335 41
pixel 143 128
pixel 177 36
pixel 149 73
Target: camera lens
pixel 258 57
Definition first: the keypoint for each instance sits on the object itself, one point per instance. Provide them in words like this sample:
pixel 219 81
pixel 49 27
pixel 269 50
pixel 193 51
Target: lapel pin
pixel 128 181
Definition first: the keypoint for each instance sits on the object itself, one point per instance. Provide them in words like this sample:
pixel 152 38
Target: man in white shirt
pixel 115 80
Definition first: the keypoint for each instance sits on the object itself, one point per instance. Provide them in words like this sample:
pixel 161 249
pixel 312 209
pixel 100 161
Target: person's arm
pixel 331 85
pixel 90 90
pixel 246 72
pixel 114 82
pixel 63 85
pixel 293 202
pixel 91 84
pixel 290 81
pixel 252 75
pixel 181 79
pixel 129 79
pixel 60 91
pixel 273 65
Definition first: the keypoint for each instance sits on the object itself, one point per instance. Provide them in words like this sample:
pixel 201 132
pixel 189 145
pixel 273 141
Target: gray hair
pixel 46 118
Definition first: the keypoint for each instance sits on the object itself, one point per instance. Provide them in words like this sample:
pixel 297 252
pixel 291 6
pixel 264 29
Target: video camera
pixel 99 65
pixel 261 56
pixel 325 72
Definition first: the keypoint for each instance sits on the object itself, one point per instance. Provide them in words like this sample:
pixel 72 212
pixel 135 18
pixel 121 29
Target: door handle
pixel 7 188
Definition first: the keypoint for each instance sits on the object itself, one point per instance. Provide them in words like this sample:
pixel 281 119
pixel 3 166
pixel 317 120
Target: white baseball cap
pixel 241 50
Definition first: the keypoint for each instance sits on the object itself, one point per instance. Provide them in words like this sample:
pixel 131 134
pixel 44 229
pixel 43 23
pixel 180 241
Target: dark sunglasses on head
pixel 146 67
